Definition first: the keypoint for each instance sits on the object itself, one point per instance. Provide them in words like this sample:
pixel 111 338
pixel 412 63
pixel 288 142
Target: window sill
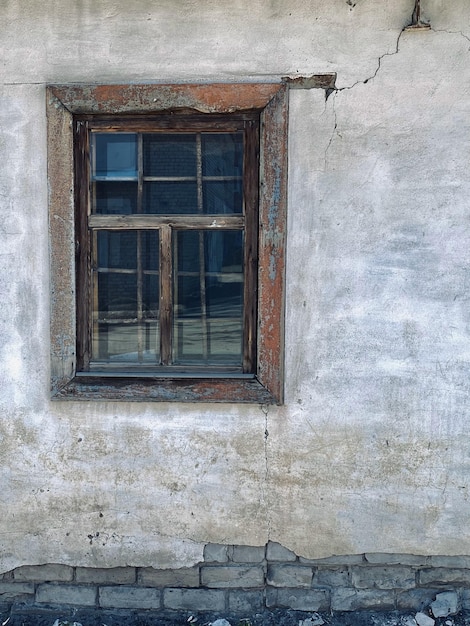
pixel 155 389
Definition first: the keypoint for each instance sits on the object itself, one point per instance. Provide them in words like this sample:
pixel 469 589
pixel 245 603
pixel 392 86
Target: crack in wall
pixel 379 65
pixel 334 131
pixel 335 90
pixel 265 410
pixel 452 32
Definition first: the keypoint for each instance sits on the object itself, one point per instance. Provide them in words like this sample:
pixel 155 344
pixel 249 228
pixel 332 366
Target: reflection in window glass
pixel 126 297
pixel 115 198
pixel 223 197
pixel 115 155
pixel 169 155
pixel 170 198
pixel 192 174
pixel 222 154
pixel 208 297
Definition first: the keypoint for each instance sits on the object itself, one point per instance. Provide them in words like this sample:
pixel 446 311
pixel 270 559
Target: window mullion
pixel 140 338
pixel 202 264
pixel 83 246
pixel 250 208
pixel 166 296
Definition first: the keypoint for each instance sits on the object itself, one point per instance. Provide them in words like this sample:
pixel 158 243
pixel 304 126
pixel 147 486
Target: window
pixel 167 220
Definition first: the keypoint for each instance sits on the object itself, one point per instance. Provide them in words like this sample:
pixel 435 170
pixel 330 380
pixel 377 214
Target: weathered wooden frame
pixel 86 222
pixel 63 103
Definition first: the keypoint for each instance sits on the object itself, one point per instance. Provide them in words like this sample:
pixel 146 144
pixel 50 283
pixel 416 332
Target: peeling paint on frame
pixel 271 99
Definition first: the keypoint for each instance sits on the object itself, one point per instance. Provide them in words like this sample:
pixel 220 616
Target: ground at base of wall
pixel 27 615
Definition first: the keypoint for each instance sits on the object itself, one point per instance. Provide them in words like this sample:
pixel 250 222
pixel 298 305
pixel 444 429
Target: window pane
pixel 169 155
pixel 223 196
pixel 117 250
pixel 168 198
pixel 222 154
pixel 117 343
pixel 126 297
pixel 115 155
pixel 222 157
pixel 115 198
pixel 208 297
pixel 117 295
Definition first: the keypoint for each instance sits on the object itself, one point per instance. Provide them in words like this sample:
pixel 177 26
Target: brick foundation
pixel 248 579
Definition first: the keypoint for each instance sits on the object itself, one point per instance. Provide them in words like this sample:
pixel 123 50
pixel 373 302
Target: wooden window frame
pixel 88 222
pixel 67 107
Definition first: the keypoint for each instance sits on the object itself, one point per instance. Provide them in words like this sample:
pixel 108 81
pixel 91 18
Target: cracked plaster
pixel 368 454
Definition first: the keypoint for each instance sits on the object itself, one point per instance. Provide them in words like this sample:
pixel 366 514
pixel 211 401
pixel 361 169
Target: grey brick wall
pixel 246 579
pixel 116 575
pixel 125 597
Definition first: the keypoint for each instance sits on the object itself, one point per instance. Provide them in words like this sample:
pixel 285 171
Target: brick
pixel 127 597
pixel 450 561
pixel 215 553
pixel 289 575
pixel 444 576
pixel 464 598
pixel 66 594
pixel 445 604
pixel 44 573
pixel 382 558
pixel 348 559
pixel 10 590
pixel 376 577
pixel 271 597
pixel 194 599
pixel 415 599
pixel 298 599
pixel 232 576
pixel 247 554
pixel 245 601
pixel 118 575
pixel 337 577
pixel 344 599
pixel 184 577
pixel 277 552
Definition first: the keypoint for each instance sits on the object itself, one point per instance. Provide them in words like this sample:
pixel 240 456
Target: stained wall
pixel 369 451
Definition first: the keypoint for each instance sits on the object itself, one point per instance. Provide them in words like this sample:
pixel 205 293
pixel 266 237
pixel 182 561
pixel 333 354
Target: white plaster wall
pixel 369 452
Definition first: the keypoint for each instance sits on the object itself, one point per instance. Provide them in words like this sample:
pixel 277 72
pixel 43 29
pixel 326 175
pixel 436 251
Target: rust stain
pixel 166 390
pixel 272 100
pixel 315 81
pixel 214 98
pixel 273 214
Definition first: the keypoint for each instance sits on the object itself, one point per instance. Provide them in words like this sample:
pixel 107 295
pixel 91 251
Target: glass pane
pixel 150 304
pixel 149 249
pixel 117 249
pixel 118 343
pixel 169 198
pixel 223 196
pixel 126 297
pixel 226 340
pixel 169 155
pixel 187 250
pixel 222 154
pixel 188 294
pixel 115 198
pixel 117 296
pixel 115 155
pixel 208 297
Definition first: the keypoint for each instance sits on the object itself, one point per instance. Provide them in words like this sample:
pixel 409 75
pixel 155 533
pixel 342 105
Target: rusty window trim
pixel 270 99
pixel 87 222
